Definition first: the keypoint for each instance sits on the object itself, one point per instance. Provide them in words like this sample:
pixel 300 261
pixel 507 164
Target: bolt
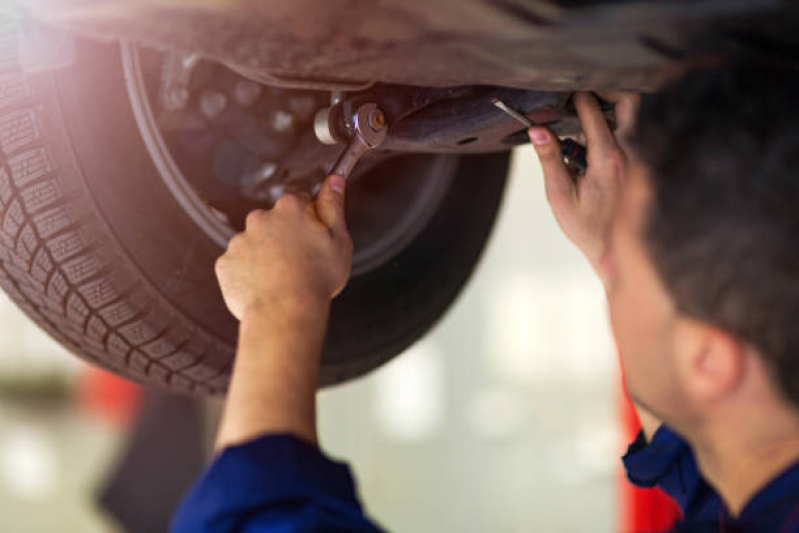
pixel 247 92
pixel 337 97
pixel 283 121
pixel 212 103
pixel 254 185
pixel 266 171
pixel 377 120
pixel 174 98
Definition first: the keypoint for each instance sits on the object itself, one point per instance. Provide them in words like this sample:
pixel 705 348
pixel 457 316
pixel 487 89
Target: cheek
pixel 641 336
pixel 626 332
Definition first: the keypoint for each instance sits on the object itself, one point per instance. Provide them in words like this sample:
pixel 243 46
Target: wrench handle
pixel 349 157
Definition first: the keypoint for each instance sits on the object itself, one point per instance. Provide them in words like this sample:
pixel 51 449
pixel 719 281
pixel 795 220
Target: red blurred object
pixel 107 396
pixel 642 510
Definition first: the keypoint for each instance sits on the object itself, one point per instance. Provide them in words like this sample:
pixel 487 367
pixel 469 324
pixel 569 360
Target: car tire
pixel 97 251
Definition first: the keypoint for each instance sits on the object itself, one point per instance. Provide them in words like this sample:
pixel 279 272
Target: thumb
pixel 559 183
pixel 330 204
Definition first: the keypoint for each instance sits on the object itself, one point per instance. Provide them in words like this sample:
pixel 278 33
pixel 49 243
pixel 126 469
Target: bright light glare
pixel 409 396
pixel 28 464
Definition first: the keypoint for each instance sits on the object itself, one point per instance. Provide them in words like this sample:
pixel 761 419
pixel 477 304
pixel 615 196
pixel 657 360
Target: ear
pixel 711 363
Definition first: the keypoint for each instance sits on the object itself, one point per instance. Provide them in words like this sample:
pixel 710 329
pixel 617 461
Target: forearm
pixel 275 375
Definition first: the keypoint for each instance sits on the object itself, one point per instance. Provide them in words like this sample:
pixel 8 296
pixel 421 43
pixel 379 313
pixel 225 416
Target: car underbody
pixel 555 45
pixel 434 66
pixel 157 125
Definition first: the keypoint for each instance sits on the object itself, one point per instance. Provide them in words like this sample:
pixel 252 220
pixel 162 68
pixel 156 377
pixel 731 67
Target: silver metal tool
pixel 574 154
pixel 368 131
pixel 512 112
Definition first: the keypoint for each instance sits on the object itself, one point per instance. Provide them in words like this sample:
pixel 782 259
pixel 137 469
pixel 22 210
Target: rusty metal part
pixel 556 45
pixel 368 132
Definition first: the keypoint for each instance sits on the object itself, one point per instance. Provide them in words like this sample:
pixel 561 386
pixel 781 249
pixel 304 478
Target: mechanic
pixel 689 213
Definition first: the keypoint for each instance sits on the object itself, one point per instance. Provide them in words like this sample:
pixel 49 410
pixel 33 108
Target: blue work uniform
pixel 278 483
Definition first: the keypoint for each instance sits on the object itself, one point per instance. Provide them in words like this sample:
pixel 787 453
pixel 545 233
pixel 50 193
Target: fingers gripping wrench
pixel 368 132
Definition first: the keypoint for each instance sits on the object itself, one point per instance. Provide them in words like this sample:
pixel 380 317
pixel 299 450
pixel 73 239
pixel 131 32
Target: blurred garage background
pixel 504 419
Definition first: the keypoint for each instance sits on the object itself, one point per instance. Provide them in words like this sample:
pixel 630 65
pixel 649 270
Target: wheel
pixel 99 246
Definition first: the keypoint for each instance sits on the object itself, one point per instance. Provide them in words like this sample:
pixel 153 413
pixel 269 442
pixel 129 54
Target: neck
pixel 762 447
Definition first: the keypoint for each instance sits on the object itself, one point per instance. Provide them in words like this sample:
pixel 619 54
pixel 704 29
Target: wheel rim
pixel 387 207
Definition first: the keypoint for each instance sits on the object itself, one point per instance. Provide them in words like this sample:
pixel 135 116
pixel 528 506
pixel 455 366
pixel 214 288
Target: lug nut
pixel 266 171
pixel 247 92
pixel 212 103
pixel 175 98
pixel 283 121
pixel 256 184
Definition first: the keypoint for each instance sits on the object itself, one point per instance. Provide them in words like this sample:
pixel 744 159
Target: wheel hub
pixel 226 145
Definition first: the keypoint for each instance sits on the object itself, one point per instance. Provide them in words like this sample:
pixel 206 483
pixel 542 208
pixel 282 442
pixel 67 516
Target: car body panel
pixel 535 44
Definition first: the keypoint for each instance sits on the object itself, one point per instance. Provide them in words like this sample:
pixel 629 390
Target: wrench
pixel 368 132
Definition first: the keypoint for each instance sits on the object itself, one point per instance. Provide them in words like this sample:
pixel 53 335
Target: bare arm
pixel 273 387
pixel 584 207
pixel 278 278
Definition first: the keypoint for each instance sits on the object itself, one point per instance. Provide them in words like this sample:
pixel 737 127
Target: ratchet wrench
pixel 368 131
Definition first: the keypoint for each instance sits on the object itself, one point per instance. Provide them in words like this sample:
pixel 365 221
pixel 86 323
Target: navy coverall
pixel 278 483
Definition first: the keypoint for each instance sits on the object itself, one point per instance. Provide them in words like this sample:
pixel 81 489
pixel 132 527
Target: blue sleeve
pixel 276 483
pixel 668 463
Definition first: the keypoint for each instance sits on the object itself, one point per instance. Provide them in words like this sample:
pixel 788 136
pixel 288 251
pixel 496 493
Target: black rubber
pixel 94 248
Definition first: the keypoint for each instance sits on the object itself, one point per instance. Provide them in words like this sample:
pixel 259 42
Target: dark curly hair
pixel 722 149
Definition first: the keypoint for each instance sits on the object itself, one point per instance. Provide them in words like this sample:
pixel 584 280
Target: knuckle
pixel 235 242
pixel 288 202
pixel 304 197
pixel 219 264
pixel 255 218
pixel 612 159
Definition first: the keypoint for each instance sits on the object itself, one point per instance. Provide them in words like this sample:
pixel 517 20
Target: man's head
pixel 705 245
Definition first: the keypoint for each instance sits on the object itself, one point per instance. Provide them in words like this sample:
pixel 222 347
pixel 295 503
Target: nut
pixel 212 103
pixel 377 120
pixel 283 121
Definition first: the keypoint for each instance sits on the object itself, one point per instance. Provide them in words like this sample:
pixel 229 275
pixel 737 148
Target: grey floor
pixel 502 420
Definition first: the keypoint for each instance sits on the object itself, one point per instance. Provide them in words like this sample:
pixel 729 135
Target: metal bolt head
pixel 256 185
pixel 377 120
pixel 266 171
pixel 175 98
pixel 212 103
pixel 283 121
